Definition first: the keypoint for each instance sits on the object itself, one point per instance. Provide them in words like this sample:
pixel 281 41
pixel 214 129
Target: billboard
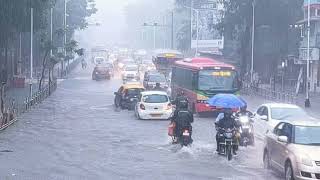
pixel 204 27
pixel 311 2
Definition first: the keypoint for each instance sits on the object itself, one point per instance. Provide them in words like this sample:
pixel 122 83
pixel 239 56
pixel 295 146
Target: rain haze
pixel 159 89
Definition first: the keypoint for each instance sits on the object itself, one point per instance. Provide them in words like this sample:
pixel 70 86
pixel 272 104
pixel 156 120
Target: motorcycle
pixel 246 130
pixel 227 142
pixel 184 139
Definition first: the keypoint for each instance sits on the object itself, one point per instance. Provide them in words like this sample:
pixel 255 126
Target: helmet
pixel 228 113
pixel 183 104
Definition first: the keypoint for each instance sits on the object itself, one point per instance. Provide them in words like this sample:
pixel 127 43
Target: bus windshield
pixel 211 80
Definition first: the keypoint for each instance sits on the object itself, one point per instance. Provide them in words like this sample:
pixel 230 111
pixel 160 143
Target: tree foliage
pixel 272 20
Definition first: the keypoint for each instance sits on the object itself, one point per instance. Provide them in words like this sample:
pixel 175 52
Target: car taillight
pixel 168 106
pixel 142 107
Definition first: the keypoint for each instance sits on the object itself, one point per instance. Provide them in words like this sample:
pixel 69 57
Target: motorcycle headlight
pixel 244 119
pixel 228 135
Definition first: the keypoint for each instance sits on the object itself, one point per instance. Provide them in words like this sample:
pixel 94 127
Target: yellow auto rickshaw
pixel 128 95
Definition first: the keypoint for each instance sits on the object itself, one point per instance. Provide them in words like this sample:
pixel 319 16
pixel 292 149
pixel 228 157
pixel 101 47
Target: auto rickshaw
pixel 127 95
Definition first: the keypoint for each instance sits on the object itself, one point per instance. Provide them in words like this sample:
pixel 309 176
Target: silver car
pixel 293 147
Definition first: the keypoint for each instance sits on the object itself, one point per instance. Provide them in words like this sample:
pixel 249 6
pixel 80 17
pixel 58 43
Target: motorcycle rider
pixel 244 112
pixel 158 87
pixel 227 121
pixel 180 98
pixel 182 117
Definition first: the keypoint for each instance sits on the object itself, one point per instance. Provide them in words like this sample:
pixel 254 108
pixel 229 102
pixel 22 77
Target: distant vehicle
pixel 130 72
pixel 99 60
pixel 125 62
pixel 127 96
pixel 101 72
pixel 164 59
pixel 147 65
pixel 153 105
pixel 202 78
pixel 269 115
pixel 151 78
pixel 293 148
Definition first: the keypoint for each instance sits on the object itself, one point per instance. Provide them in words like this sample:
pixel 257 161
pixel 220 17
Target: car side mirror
pixel 264 117
pixel 283 139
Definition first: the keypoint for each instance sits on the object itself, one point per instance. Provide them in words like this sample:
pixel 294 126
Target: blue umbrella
pixel 229 101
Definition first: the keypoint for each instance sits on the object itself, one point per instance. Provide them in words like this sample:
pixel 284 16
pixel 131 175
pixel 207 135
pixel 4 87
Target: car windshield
pixel 307 135
pixel 134 91
pixel 210 80
pixel 131 68
pixel 157 78
pixel 283 113
pixel 102 68
pixel 99 60
pixel 155 98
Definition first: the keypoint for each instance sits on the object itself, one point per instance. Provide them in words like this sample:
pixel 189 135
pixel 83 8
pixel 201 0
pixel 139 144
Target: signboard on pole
pixel 303 55
pixel 206 15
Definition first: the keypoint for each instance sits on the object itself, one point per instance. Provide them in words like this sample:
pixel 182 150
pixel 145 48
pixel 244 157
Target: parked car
pixel 293 147
pixel 102 72
pixel 269 115
pixel 130 72
pixel 153 105
pixel 150 79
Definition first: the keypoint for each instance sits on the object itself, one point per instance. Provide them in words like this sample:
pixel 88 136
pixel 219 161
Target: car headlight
pixel 244 119
pixel 305 160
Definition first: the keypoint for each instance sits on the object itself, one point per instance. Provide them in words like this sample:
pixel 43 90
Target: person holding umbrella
pixel 228 102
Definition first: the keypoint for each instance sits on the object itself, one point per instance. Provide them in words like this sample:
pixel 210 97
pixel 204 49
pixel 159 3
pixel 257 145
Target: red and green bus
pixel 202 78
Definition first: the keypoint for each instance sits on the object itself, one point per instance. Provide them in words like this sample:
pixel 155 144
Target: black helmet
pixel 183 104
pixel 228 113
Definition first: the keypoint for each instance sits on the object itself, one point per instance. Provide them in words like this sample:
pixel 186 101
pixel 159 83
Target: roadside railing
pixel 15 109
pixel 269 94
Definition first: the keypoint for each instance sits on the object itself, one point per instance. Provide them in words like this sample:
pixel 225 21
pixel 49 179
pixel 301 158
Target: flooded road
pixel 78 134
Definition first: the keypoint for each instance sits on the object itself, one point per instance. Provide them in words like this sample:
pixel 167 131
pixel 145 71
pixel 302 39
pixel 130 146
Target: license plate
pixel 186 134
pixel 156 115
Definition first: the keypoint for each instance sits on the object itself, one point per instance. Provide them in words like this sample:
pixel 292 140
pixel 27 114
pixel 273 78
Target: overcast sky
pixel 111 16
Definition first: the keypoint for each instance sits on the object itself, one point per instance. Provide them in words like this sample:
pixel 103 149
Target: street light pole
pixel 51 29
pixel 31 53
pixel 172 32
pixel 197 46
pixel 307 101
pixel 252 41
pixel 154 37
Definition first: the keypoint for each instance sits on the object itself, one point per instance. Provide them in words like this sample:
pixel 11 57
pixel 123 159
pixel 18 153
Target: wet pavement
pixel 78 134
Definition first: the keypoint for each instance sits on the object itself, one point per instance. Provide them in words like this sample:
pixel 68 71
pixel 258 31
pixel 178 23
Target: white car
pixel 131 72
pixel 153 105
pixel 269 115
